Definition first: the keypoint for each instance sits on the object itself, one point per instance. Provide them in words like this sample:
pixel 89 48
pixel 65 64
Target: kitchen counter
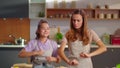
pixel 12 46
pixel 21 46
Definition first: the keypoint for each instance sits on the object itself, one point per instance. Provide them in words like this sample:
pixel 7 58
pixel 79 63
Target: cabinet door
pixel 16 27
pixel 7 62
pixel 108 59
pixel 14 8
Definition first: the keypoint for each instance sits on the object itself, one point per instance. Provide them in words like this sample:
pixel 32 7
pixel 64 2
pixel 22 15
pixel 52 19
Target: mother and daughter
pixel 43 51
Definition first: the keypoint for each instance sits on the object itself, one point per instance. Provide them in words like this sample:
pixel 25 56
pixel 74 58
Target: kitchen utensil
pixel 20 41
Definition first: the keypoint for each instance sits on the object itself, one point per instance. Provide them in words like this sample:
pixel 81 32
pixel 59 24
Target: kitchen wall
pixel 85 3
pixel 100 26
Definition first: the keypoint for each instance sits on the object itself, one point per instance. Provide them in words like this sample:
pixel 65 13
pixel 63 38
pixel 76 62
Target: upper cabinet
pixel 37 9
pixel 96 14
pixel 14 9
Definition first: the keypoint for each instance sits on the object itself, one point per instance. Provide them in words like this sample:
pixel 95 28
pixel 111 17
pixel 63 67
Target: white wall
pixel 100 26
pixel 115 6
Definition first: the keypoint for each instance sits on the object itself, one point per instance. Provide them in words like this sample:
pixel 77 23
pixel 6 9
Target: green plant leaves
pixel 59 36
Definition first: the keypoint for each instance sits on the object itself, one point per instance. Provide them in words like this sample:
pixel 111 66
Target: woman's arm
pixel 23 53
pixel 61 52
pixel 101 48
pixel 53 59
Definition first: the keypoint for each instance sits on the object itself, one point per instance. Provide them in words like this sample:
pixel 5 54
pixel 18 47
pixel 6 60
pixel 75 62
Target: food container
pixel 115 16
pixel 108 16
pixel 101 16
pixel 115 40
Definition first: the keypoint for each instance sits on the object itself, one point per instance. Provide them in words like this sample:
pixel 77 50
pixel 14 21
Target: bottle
pixel 106 38
pixel 59 36
pixel 53 31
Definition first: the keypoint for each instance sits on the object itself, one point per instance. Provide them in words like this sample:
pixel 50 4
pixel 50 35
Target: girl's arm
pixel 23 53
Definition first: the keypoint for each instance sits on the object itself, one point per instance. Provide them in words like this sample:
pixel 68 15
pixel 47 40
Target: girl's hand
pixel 84 55
pixel 51 59
pixel 37 53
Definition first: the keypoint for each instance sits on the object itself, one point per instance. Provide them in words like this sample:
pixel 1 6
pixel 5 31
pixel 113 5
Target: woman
pixel 79 38
pixel 42 50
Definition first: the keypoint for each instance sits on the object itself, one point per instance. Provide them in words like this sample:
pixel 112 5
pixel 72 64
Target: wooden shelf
pixel 90 13
pixel 59 13
pixel 94 14
pixel 103 14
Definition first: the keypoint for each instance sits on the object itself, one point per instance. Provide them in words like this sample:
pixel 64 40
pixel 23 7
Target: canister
pixel 101 16
pixel 115 16
pixel 108 16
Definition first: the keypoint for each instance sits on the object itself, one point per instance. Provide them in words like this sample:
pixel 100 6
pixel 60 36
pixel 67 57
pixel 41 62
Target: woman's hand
pixel 51 59
pixel 73 62
pixel 84 55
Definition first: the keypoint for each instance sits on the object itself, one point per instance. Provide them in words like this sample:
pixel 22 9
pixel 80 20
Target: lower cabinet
pixel 108 59
pixel 9 56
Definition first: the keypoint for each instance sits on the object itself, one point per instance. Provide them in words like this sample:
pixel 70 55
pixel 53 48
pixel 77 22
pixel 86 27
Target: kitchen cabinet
pixel 9 56
pixel 18 27
pixel 14 9
pixel 108 59
pixel 36 9
pixel 95 14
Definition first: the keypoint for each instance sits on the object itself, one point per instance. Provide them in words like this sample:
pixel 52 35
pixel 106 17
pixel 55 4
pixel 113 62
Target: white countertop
pixel 95 46
pixel 21 46
pixel 12 46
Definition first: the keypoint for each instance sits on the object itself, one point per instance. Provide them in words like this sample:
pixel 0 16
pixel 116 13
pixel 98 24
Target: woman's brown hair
pixel 71 34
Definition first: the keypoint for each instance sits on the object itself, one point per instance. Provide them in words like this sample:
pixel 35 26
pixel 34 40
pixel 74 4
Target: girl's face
pixel 44 30
pixel 77 21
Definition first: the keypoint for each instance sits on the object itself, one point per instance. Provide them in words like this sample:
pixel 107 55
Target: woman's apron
pixel 44 64
pixel 75 49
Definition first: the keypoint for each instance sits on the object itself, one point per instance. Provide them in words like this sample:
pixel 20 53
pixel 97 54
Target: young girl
pixel 79 38
pixel 42 50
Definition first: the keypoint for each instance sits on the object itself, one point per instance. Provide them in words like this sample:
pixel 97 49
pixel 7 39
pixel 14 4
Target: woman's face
pixel 77 21
pixel 44 30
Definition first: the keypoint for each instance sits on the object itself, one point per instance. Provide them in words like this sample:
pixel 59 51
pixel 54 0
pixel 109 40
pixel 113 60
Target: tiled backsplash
pixel 99 26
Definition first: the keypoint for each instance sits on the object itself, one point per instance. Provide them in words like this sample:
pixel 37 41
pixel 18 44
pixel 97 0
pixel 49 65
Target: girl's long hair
pixel 71 34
